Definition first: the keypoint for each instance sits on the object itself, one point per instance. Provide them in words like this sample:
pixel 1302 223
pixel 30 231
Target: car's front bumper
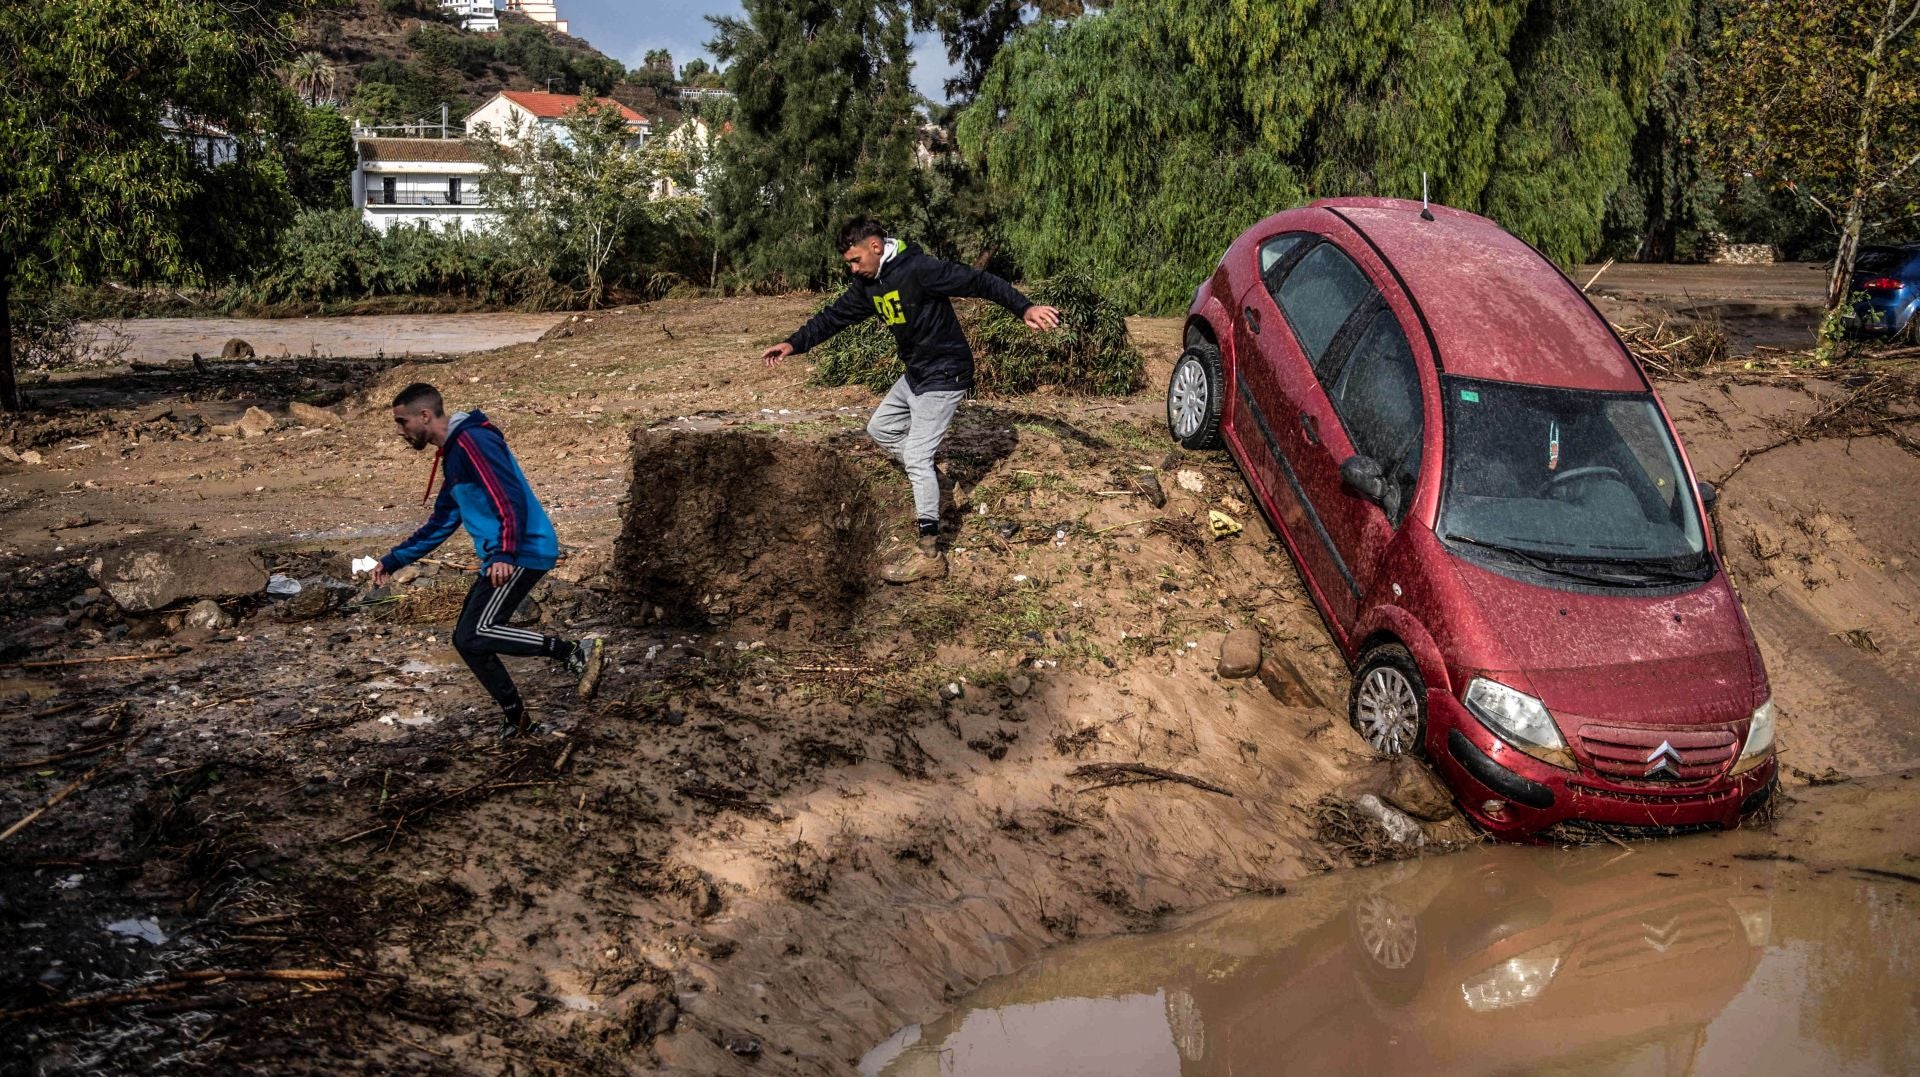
pixel 1532 796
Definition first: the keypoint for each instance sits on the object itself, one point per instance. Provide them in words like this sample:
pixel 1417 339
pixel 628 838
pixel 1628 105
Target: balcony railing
pixel 409 198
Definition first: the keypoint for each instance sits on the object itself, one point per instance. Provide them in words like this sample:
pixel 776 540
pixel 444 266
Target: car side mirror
pixel 1708 495
pixel 1362 475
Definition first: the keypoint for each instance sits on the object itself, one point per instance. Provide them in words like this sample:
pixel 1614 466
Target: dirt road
pixel 762 848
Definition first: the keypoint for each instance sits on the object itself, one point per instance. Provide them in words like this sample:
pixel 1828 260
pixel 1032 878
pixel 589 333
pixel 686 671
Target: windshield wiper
pixel 1660 568
pixel 1631 572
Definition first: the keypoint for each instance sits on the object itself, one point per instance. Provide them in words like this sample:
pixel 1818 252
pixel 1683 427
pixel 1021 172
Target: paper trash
pixel 363 564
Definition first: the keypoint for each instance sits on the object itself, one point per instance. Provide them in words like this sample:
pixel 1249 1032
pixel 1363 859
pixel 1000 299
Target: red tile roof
pixel 551 106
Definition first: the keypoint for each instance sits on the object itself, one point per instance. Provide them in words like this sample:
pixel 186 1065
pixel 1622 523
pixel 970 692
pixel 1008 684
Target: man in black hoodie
pixel 911 291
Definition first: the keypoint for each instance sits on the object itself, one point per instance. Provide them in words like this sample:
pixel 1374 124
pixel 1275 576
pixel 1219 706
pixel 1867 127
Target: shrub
pixel 1089 353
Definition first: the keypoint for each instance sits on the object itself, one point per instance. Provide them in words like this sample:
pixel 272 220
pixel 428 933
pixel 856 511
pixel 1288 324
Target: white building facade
pixel 541 11
pixel 411 181
pixel 477 15
pixel 531 112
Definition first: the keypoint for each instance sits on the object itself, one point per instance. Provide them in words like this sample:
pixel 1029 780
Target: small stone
pixel 408 574
pixel 1019 684
pixel 256 423
pixel 308 415
pixel 9 455
pixel 744 1046
pixel 525 1006
pixel 1417 792
pixel 207 614
pixel 31 457
pixel 951 691
pixel 1240 653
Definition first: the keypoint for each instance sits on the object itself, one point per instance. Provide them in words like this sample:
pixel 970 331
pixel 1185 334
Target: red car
pixel 1489 505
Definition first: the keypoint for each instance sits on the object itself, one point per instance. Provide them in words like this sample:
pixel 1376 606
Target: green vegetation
pixel 1089 353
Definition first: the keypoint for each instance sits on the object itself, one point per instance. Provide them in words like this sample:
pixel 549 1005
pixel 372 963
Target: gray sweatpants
pixel 911 426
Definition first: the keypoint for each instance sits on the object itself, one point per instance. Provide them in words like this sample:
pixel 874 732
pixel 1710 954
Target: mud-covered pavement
pixel 769 842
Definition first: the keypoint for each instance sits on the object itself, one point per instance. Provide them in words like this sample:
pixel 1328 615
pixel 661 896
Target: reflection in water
pixel 1671 959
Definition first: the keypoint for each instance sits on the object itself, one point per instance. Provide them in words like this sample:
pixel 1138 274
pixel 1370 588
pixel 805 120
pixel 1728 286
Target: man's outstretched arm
pixel 850 309
pixel 956 281
pixel 445 518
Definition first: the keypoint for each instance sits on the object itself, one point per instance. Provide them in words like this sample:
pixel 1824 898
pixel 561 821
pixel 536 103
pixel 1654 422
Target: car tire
pixel 1195 397
pixel 1388 703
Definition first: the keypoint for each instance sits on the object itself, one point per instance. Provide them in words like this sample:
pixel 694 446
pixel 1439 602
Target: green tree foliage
pixel 332 255
pixel 975 30
pixel 1667 205
pixel 375 103
pixel 1137 144
pixel 823 129
pixel 95 185
pixel 655 70
pixel 320 158
pixel 1823 99
pixel 1088 353
pixel 576 204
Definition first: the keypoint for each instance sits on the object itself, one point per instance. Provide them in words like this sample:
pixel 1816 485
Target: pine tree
pixel 824 129
pixel 1136 145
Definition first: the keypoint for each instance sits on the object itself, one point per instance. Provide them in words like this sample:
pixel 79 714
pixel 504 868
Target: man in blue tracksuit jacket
pixel 485 490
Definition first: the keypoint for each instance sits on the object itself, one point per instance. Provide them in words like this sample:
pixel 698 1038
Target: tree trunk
pixel 9 390
pixel 1841 278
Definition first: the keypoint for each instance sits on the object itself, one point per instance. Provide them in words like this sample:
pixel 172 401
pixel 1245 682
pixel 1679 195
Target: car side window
pixel 1321 291
pixel 1273 258
pixel 1377 397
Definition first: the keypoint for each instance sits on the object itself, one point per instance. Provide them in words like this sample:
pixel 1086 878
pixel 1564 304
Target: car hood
pixel 1623 658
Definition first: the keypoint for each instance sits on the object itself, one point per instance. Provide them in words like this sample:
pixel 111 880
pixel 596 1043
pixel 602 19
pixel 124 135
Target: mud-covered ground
pixel 792 820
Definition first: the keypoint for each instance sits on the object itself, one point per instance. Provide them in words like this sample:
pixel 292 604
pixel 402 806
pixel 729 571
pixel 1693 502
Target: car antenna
pixel 1426 212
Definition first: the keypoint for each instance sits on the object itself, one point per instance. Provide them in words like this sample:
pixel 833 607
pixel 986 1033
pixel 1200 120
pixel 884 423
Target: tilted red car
pixel 1490 508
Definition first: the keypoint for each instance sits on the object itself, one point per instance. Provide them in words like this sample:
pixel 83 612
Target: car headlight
pixel 1513 981
pixel 1759 739
pixel 1519 719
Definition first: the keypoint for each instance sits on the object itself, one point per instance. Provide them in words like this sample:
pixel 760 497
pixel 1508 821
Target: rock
pixel 207 614
pixel 9 455
pixel 408 574
pixel 1240 653
pixel 256 422
pixel 1417 792
pixel 951 690
pixel 1191 481
pixel 144 578
pixel 1150 488
pixel 1285 682
pixel 744 1046
pixel 308 415
pixel 1019 684
pixel 525 1006
pixel 31 457
pixel 1398 825
pixel 235 348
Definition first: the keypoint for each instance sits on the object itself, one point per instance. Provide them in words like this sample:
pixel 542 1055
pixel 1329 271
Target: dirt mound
pixel 745 529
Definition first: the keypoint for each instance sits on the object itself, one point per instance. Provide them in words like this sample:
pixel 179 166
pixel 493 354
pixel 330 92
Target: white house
pixel 210 144
pixel 700 141
pixel 477 15
pixel 539 11
pixel 404 181
pixel 540 113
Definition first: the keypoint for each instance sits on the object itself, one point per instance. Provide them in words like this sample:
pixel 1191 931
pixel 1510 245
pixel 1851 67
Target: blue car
pixel 1890 279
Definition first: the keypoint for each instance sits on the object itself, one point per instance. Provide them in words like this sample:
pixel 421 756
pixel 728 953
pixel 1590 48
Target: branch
pixel 1904 23
pixel 1824 208
pixel 1896 173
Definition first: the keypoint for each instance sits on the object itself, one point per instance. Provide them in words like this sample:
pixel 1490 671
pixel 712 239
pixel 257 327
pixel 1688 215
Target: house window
pixel 453 190
pixel 387 190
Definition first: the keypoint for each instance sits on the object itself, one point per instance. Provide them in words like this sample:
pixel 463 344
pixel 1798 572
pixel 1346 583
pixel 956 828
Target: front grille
pixel 1674 756
pixel 1594 832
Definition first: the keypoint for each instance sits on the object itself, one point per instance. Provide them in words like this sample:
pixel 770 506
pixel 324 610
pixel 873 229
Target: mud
pixel 756 851
pixel 1750 952
pixel 750 530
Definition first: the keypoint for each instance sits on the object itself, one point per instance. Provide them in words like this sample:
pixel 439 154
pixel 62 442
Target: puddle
pixel 1675 958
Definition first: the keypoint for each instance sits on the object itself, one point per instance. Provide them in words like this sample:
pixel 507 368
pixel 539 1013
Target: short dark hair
pixel 420 395
pixel 859 230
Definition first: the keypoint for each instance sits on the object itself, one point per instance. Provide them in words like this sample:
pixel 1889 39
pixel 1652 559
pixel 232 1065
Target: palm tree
pixel 313 77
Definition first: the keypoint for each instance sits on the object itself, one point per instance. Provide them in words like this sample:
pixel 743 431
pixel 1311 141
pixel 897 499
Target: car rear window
pixel 1879 260
pixel 1319 295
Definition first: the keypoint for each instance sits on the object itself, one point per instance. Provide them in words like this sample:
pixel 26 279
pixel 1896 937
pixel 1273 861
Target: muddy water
pixel 158 340
pixel 1674 958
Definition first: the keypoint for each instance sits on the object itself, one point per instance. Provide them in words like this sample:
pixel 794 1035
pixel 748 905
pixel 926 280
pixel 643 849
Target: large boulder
pixel 144 578
pixel 235 348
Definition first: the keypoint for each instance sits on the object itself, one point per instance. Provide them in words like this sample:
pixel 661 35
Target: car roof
pixel 1497 308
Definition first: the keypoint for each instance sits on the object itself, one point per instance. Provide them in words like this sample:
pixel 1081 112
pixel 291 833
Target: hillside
pixel 397 60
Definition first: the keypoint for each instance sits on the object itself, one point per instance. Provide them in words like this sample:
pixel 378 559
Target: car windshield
pixel 1584 483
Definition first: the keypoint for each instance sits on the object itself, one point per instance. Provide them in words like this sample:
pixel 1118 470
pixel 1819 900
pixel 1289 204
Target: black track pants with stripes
pixel 482 635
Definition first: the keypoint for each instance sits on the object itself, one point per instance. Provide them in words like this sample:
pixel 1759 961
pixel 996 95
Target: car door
pixel 1321 296
pixel 1263 350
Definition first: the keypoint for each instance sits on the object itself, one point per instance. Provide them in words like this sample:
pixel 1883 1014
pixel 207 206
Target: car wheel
pixel 1194 397
pixel 1388 704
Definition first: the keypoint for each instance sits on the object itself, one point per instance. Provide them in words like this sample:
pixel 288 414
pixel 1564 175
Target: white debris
pixel 1190 480
pixel 148 930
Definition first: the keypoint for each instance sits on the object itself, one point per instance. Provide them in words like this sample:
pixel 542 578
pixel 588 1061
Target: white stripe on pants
pixel 911 426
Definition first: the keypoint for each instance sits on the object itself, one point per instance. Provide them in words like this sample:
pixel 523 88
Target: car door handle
pixel 1253 321
pixel 1312 426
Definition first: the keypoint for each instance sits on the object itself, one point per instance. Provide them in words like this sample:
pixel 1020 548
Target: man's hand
pixel 498 572
pixel 773 355
pixel 380 575
pixel 1041 318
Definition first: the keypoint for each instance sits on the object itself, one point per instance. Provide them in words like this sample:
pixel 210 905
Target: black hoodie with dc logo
pixel 912 294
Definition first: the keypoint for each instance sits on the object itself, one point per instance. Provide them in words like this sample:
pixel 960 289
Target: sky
pixel 626 29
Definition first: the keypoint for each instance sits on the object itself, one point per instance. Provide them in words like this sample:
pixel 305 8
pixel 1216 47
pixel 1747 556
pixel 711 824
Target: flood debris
pixel 154 575
pixel 1108 775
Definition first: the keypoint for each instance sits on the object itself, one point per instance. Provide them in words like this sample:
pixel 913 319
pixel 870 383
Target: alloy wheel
pixel 1387 711
pixel 1187 398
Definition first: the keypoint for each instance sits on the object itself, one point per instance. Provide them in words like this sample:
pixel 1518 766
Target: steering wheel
pixel 1590 472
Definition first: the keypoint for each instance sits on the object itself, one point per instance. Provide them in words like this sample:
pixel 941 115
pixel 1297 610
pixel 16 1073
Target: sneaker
pixel 588 658
pixel 523 726
pixel 924 561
